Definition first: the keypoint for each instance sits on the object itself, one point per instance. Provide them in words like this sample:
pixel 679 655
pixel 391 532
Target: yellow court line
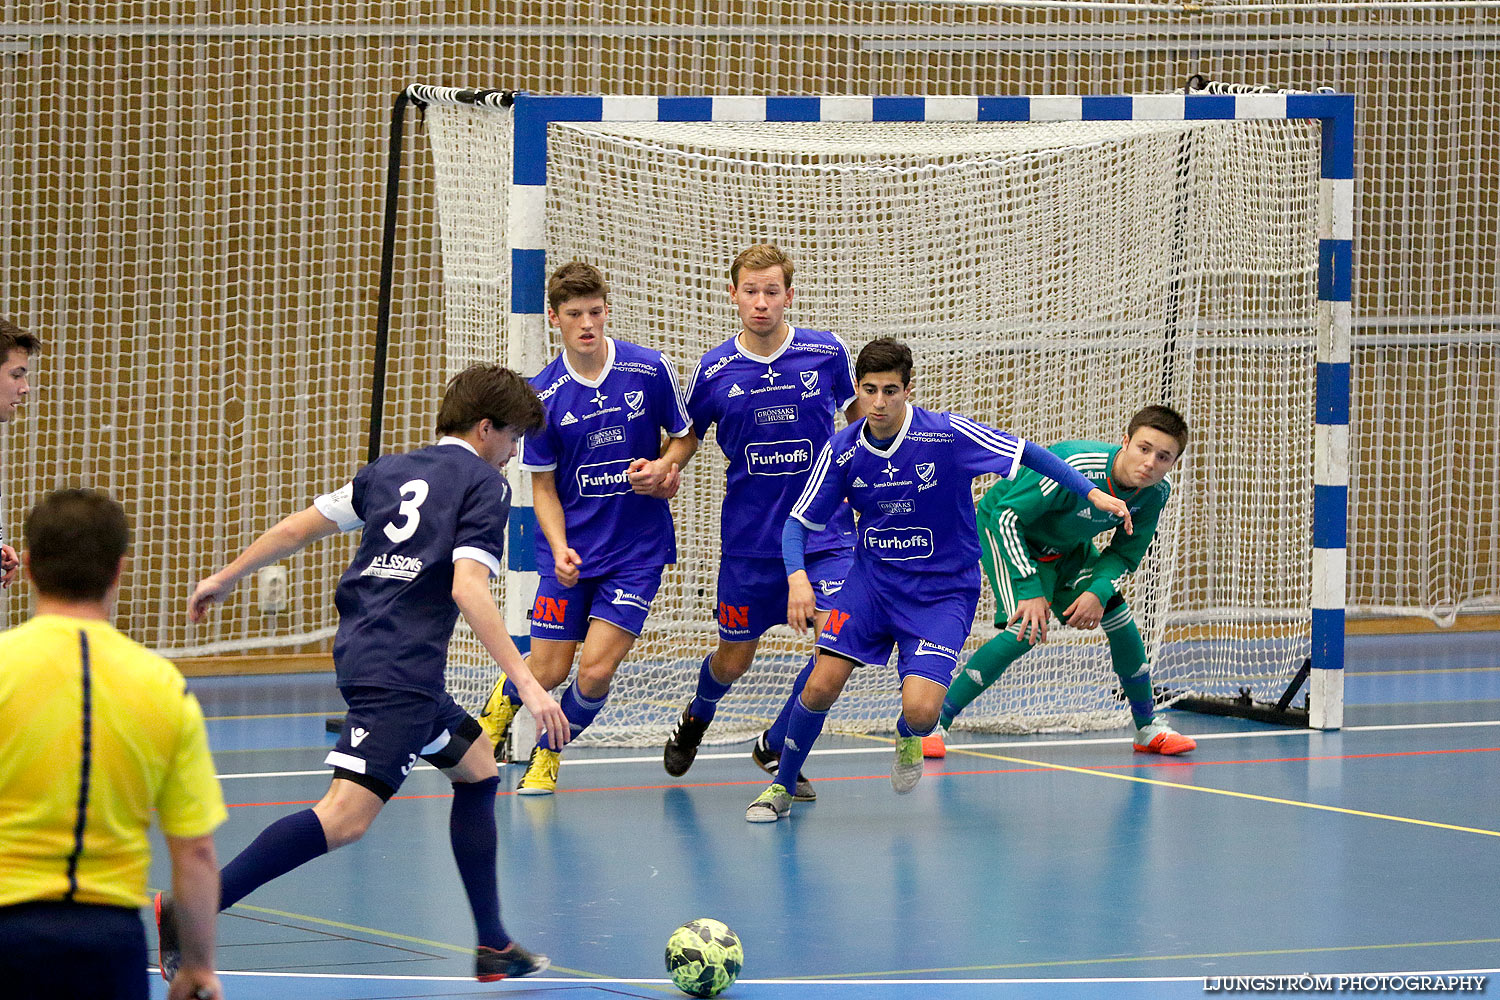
pixel 1155 958
pixel 373 932
pixel 1225 792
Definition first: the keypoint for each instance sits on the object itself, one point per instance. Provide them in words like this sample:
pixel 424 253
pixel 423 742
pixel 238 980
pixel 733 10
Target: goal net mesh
pixel 1050 278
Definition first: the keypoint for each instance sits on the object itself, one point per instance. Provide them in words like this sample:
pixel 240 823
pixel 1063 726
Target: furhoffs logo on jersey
pixel 634 399
pixel 776 415
pixel 604 479
pixel 606 435
pixel 897 544
pixel 779 458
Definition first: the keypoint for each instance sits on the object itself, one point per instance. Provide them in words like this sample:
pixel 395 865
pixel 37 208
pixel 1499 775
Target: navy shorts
pixel 622 598
pixel 753 592
pixel 386 730
pixel 72 950
pixel 928 630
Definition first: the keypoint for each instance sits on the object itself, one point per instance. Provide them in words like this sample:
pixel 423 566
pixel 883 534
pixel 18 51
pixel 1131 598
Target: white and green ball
pixel 704 957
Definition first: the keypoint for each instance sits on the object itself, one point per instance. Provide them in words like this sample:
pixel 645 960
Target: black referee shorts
pixel 51 950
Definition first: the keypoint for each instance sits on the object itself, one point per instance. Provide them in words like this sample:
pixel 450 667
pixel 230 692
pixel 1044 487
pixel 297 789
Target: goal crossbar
pixel 1333 112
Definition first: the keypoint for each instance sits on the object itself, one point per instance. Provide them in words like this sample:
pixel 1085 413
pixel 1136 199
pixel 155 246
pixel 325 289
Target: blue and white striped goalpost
pixel 526 331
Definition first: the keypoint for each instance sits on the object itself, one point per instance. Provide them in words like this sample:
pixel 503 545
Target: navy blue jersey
pixel 915 496
pixel 774 414
pixel 595 428
pixel 421 512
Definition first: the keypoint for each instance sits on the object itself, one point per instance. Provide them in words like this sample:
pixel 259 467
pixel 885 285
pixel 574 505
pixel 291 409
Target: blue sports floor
pixel 1054 867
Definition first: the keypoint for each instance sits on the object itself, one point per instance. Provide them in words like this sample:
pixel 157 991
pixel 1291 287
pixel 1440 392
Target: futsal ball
pixel 704 957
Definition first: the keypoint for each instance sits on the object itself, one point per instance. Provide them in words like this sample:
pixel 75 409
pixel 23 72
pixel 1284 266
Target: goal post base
pixel 1243 706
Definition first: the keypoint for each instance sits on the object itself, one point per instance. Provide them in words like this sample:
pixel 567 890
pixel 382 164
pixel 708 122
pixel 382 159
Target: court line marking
pixel 1210 790
pixel 374 932
pixel 885 744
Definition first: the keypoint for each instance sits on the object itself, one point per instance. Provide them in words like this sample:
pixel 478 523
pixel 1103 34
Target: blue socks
pixel 579 710
pixel 776 735
pixel 706 700
pixel 905 731
pixel 289 842
pixel 471 831
pixel 802 730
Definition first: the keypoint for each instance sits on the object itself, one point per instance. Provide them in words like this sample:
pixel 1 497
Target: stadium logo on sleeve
pixel 606 435
pixel 779 458
pixel 634 399
pixel 776 415
pixel 898 544
pixel 714 368
pixel 604 479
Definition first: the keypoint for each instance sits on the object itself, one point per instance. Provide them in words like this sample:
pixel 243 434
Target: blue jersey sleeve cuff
pixel 338 507
pixel 793 546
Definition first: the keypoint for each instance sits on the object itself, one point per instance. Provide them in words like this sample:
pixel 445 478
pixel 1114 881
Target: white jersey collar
pixel 791 332
pixel 609 362
pixel 864 438
pixel 450 439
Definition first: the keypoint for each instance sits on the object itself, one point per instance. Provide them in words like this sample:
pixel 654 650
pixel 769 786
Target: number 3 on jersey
pixel 413 494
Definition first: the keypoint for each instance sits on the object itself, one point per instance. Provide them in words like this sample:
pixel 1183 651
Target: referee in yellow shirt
pixel 95 733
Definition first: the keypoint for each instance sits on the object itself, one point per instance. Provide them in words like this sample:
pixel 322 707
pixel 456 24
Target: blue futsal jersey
pixel 595 428
pixel 914 497
pixel 773 415
pixel 421 512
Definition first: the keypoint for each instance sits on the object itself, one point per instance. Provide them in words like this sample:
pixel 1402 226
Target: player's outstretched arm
pixel 1039 459
pixel 471 592
pixel 549 517
pixel 288 535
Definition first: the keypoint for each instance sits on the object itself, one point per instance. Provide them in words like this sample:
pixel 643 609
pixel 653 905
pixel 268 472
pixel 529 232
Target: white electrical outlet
pixel 270 589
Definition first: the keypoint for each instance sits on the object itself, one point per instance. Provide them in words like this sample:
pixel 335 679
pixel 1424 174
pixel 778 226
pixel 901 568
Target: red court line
pixel 1133 765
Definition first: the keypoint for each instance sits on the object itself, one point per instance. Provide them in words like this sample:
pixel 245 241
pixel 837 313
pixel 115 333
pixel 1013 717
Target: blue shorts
pixel 386 730
pixel 753 592
pixel 622 598
pixel 928 630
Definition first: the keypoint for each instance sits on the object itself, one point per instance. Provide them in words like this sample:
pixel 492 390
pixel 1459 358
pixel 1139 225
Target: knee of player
pixel 594 678
pixel 731 660
pixel 341 827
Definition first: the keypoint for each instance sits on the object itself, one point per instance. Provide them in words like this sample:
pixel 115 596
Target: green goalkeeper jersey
pixel 1032 519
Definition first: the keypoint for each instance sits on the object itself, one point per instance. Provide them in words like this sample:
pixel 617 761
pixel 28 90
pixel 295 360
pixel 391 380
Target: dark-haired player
pixel 434 525
pixel 908 473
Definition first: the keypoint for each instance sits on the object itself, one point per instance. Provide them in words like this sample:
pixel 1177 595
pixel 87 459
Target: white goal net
pixel 1050 278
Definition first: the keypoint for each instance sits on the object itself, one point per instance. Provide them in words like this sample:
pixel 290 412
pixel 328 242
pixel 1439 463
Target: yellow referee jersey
pixel 95 732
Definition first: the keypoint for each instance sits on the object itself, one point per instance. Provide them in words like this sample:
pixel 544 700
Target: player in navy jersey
pixel 909 474
pixel 773 391
pixel 434 532
pixel 606 529
pixel 16 350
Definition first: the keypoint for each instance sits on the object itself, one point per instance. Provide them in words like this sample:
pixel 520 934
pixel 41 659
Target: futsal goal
pixel 1055 263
